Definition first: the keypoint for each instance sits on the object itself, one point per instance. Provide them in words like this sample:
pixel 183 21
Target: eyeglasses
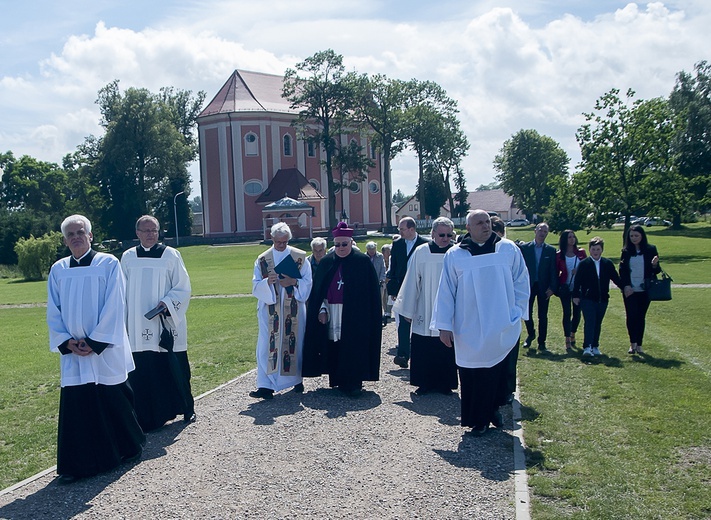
pixel 340 244
pixel 149 231
pixel 448 235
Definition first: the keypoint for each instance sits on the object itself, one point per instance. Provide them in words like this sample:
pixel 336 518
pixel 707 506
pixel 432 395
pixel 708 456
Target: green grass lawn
pixel 615 437
pixel 623 436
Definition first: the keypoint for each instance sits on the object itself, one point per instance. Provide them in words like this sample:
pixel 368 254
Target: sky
pixel 522 64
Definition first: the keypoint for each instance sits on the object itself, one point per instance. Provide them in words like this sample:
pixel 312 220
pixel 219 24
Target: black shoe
pixel 66 479
pixel 529 341
pixel 262 393
pixel 400 361
pixel 497 420
pixel 299 389
pixel 478 431
pixel 352 392
pixel 542 347
pixel 132 458
pixel 189 418
pixel 510 399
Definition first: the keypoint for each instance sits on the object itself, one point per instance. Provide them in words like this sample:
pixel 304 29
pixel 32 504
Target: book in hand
pixel 155 311
pixel 288 267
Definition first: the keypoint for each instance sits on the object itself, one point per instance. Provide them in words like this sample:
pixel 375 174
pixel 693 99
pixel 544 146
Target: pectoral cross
pixel 147 334
pixel 340 283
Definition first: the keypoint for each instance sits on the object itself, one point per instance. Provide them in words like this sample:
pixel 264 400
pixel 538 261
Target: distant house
pixel 490 200
pixel 251 156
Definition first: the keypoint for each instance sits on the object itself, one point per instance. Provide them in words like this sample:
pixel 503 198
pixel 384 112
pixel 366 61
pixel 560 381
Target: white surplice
pixel 266 295
pixel 482 300
pixel 89 302
pixel 415 299
pixel 153 280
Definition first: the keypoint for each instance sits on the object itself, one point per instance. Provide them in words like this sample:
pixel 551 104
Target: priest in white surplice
pixel 281 283
pixel 481 299
pixel 156 277
pixel 85 314
pixel 432 365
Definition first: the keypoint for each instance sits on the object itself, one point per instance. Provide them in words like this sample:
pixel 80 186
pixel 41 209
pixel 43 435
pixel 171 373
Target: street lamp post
pixel 175 213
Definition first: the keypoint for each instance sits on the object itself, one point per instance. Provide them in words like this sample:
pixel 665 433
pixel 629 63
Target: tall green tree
pixel 567 208
pixel 29 184
pixel 428 113
pixel 528 164
pixel 691 103
pixel 380 104
pixel 450 146
pixel 461 198
pixel 621 143
pixel 322 92
pixel 434 190
pixel 141 162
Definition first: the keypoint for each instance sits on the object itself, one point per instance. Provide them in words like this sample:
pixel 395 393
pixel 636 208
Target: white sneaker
pixel 587 351
pixel 596 351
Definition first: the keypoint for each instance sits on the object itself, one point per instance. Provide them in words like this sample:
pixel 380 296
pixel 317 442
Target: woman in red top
pixel 567 259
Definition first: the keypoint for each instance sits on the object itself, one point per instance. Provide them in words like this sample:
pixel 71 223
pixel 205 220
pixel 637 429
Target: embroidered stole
pixel 283 330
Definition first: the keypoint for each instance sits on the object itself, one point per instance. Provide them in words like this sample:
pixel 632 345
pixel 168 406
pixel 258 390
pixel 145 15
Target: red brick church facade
pixel 251 156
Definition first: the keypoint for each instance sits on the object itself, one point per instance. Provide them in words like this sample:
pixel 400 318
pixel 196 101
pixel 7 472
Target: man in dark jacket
pixel 399 255
pixel 540 262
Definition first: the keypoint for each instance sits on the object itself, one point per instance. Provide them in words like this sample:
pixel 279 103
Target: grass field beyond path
pixel 614 437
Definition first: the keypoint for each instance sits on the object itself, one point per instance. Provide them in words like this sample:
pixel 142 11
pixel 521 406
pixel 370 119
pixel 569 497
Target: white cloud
pixel 509 68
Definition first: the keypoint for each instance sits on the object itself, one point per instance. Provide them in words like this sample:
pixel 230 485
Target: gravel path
pixel 388 454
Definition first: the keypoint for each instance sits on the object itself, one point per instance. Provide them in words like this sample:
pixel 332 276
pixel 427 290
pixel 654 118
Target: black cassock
pixel 356 357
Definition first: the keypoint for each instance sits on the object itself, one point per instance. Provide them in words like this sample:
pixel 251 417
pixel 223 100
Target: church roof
pixel 290 183
pixel 246 91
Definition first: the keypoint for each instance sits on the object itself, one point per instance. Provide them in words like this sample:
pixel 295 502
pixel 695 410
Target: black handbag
pixel 659 289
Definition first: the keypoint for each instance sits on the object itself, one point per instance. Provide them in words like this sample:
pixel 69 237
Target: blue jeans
pixel 403 338
pixel 593 313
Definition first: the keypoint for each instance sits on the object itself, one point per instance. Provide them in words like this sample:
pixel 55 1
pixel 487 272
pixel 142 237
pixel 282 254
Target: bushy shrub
pixel 36 255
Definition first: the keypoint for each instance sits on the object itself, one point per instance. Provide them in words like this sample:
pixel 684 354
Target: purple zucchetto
pixel 342 230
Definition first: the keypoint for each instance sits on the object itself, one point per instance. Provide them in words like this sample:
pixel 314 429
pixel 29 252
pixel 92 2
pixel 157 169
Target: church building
pixel 252 157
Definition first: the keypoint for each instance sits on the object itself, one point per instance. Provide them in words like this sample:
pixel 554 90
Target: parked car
pixel 656 221
pixel 638 220
pixel 518 222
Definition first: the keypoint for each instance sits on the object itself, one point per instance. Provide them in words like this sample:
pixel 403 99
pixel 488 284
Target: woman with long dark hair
pixel 639 262
pixel 567 259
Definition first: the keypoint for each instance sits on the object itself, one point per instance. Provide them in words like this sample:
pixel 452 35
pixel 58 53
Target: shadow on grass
pixel 528 413
pixel 446 407
pixel 684 259
pixel 604 359
pixel 657 362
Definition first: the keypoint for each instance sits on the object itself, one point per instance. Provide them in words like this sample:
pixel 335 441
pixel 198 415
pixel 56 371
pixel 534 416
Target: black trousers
pixel 571 312
pixel 636 307
pixel 542 315
pixel 480 393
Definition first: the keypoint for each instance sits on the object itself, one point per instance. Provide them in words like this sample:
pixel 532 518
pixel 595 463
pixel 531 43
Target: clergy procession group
pixel 121 331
